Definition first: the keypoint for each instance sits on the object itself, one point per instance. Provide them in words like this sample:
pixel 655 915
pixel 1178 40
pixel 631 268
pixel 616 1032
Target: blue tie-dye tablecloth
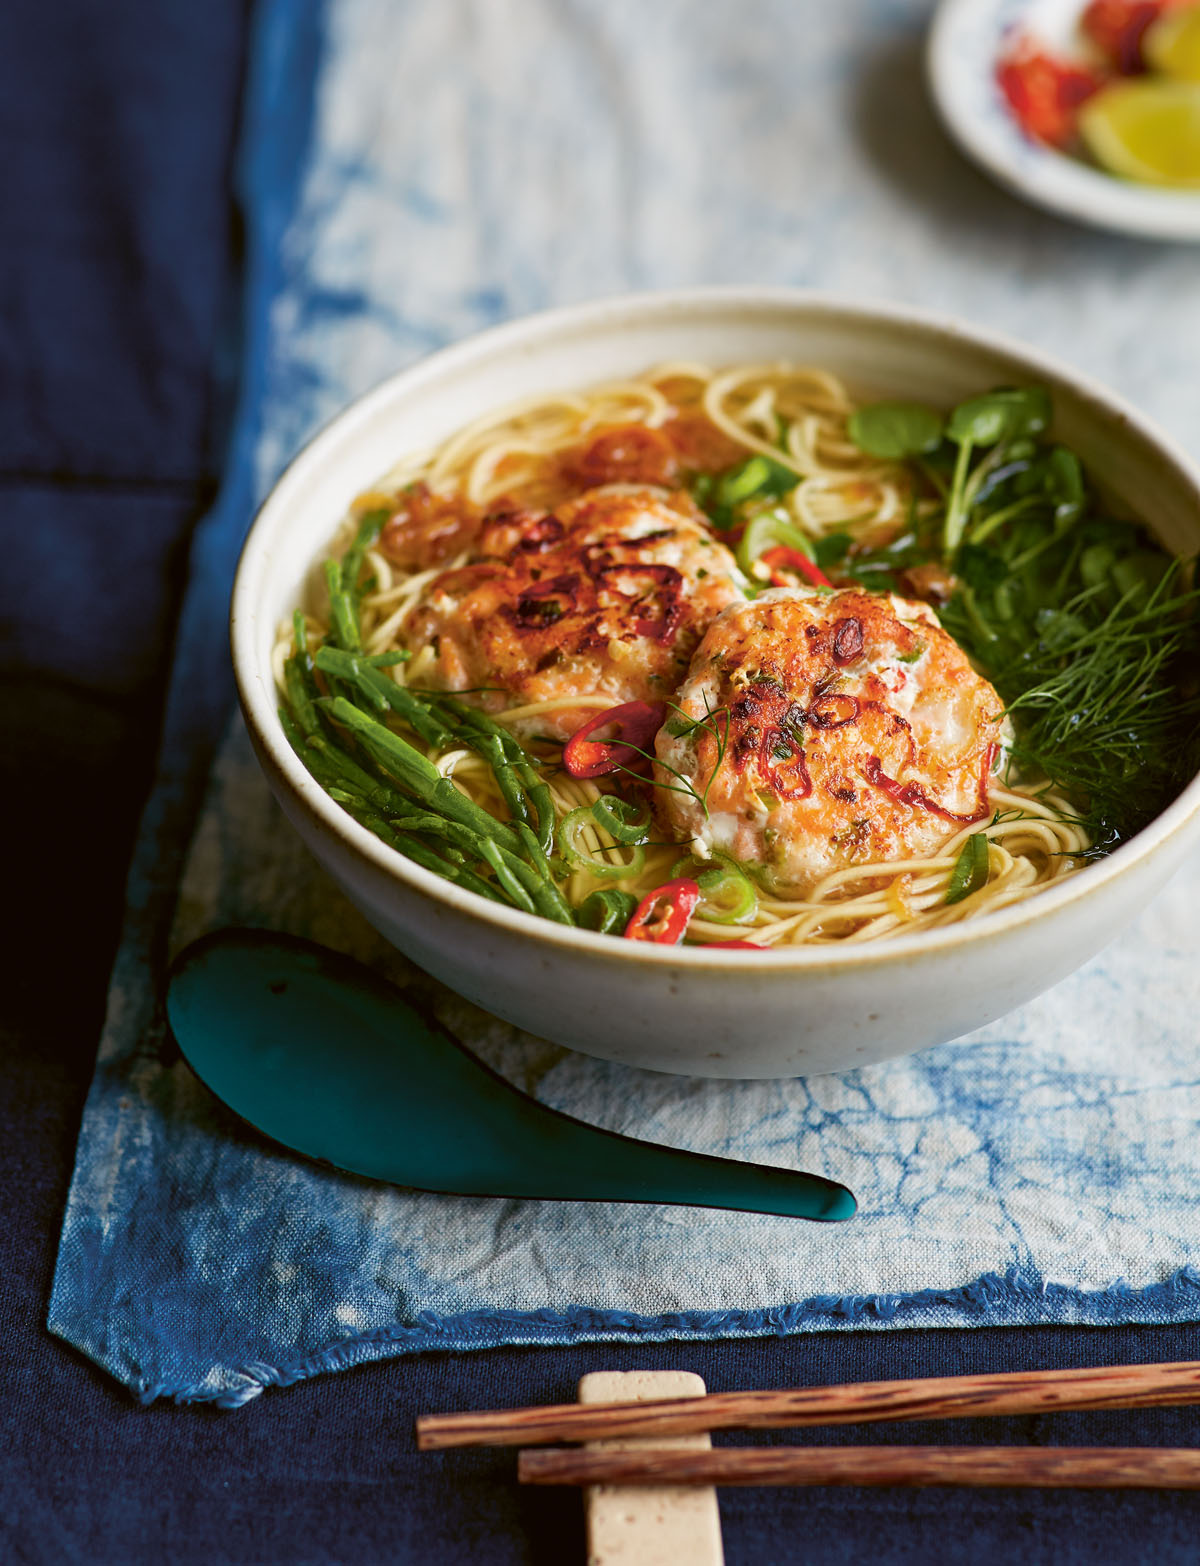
pixel 412 170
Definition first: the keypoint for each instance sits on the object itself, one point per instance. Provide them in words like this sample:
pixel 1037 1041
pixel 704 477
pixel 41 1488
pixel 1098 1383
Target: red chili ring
pixel 637 723
pixel 670 924
pixel 794 560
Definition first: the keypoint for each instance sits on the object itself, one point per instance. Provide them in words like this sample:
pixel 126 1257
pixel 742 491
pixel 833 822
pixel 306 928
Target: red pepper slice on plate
pixel 636 722
pixel 1117 27
pixel 1045 93
pixel 783 559
pixel 663 915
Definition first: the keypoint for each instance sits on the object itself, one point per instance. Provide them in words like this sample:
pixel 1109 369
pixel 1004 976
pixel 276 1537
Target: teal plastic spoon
pixel 329 1060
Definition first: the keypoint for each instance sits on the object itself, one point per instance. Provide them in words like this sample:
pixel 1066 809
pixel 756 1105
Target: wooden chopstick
pixel 1042 1467
pixel 935 1397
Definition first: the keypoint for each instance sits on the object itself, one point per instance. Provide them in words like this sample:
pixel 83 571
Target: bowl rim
pixel 644 308
pixel 961 49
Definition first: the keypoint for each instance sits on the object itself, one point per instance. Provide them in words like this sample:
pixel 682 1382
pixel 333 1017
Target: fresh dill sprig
pixel 689 726
pixel 1109 715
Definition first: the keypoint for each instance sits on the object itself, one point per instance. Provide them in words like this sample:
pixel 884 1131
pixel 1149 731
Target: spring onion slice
pixel 726 895
pixel 768 530
pixel 622 820
pixel 607 910
pixel 576 853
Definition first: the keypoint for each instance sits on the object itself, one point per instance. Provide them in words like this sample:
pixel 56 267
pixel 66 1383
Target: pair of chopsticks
pixel 942 1397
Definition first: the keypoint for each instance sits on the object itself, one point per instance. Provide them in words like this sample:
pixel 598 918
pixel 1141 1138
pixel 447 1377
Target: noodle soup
pixel 721 657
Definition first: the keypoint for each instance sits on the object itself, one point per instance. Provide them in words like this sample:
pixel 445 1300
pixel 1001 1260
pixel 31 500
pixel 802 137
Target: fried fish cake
pixel 607 595
pixel 821 731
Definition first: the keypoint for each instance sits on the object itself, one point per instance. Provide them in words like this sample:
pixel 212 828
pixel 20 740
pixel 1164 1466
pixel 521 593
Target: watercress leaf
pixel 1140 572
pixel 1000 415
pixel 1031 411
pixel 998 477
pixel 981 420
pixel 1096 563
pixel 893 430
pixel 1064 476
pixel 1064 486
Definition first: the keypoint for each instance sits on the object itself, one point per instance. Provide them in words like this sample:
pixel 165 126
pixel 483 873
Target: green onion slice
pixel 726 895
pixel 607 910
pixel 770 530
pixel 970 868
pixel 757 475
pixel 570 841
pixel 622 820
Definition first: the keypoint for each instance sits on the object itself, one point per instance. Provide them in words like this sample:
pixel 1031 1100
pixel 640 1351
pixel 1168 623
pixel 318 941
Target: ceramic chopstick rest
pixel 663 1525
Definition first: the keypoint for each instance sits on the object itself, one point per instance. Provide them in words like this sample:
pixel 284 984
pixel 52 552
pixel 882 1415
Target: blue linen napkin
pixel 414 171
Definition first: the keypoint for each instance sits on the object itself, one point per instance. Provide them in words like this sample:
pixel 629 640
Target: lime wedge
pixel 1172 44
pixel 1147 129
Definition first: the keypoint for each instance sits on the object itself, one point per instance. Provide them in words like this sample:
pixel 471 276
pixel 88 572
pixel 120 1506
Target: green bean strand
pixel 518 759
pixel 382 693
pixel 341 609
pixel 419 775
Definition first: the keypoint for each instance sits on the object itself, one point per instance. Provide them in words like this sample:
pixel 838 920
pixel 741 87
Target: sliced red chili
pixel 1118 27
pixel 636 724
pixel 847 641
pixel 663 915
pixel 914 794
pixel 1044 93
pixel 834 710
pixel 782 559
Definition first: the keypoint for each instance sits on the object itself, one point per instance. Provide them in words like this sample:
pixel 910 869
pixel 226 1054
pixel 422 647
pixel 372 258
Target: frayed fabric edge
pixel 1018 1298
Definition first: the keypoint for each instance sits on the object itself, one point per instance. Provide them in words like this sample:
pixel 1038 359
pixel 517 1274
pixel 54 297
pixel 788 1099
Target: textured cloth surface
pixel 1043 1171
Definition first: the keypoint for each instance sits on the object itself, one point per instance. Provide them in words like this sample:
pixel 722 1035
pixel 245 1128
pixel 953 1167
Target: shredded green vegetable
pixel 970 871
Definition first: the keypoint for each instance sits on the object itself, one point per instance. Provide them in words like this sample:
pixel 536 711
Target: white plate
pixel 965 42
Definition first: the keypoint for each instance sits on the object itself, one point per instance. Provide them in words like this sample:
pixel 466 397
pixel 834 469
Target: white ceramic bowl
pixel 965 43
pixel 722 1014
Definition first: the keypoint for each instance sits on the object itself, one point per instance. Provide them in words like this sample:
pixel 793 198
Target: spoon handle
pixel 587 1163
